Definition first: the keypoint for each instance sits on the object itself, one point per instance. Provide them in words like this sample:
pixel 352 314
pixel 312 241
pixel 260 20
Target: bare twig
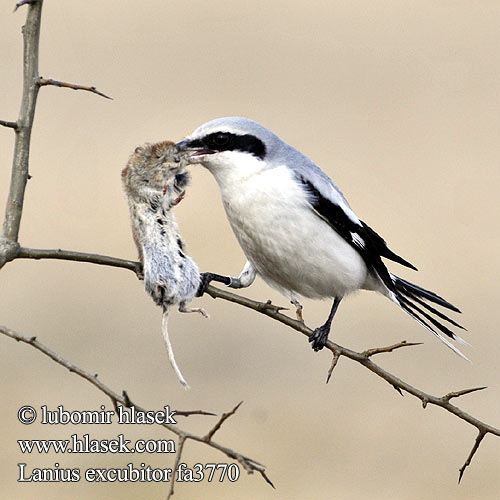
pixel 56 83
pixel 8 124
pixel 223 418
pixel 104 260
pixel 250 464
pixel 180 446
pixel 479 438
pixel 19 175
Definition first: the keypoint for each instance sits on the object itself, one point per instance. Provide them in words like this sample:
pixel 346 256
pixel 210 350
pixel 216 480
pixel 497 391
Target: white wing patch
pixel 357 240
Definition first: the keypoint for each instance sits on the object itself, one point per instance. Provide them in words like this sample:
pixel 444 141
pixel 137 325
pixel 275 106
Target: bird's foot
pixel 319 337
pixel 206 278
pixel 298 310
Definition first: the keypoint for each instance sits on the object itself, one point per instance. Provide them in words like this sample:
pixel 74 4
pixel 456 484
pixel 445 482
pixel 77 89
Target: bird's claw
pixel 319 338
pixel 204 282
pixel 206 278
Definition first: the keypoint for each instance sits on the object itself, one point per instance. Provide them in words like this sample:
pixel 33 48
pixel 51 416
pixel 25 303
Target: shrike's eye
pixel 220 139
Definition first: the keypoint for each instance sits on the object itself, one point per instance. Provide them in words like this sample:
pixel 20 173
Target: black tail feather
pixel 411 299
pixel 428 317
pixel 404 286
pixel 414 315
pixel 431 309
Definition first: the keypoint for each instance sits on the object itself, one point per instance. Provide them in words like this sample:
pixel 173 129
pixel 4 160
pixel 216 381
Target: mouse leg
pixel 184 309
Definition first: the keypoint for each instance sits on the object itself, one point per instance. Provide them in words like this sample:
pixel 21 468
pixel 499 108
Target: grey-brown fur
pixel 154 181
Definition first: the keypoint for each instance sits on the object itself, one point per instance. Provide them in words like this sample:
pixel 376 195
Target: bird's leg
pixel 246 278
pixel 298 309
pixel 320 336
pixel 184 309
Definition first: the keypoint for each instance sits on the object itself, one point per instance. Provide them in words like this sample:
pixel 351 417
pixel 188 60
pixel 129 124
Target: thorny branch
pixel 364 359
pixel 273 312
pixel 24 124
pixel 249 464
pixel 10 250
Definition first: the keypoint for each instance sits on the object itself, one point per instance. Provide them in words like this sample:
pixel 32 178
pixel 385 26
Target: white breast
pixel 292 248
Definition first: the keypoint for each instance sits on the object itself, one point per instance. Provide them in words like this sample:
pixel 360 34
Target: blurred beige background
pixel 398 101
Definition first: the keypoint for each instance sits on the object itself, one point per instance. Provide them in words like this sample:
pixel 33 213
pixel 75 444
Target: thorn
pixel 335 359
pixel 56 83
pixel 187 413
pixel 399 390
pixel 127 401
pixel 268 481
pixel 377 350
pixel 462 393
pixel 269 306
pixel 8 124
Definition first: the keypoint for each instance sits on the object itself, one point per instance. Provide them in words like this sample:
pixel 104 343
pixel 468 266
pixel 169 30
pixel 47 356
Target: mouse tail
pixel 170 351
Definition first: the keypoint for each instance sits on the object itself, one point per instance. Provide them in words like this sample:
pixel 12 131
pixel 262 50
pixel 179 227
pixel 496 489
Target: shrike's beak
pixel 193 150
pixel 182 145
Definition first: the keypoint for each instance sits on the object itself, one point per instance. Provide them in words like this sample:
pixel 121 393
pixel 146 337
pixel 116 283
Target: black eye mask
pixel 227 141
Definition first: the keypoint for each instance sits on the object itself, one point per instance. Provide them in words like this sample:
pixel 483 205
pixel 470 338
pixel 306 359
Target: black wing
pixel 364 239
pixel 372 248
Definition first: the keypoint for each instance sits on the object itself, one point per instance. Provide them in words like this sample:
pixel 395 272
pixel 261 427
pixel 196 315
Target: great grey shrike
pixel 297 230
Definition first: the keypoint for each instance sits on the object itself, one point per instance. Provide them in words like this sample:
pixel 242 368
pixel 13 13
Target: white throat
pixel 232 169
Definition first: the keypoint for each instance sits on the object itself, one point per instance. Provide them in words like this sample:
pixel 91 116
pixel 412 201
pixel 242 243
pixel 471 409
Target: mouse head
pixel 156 171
